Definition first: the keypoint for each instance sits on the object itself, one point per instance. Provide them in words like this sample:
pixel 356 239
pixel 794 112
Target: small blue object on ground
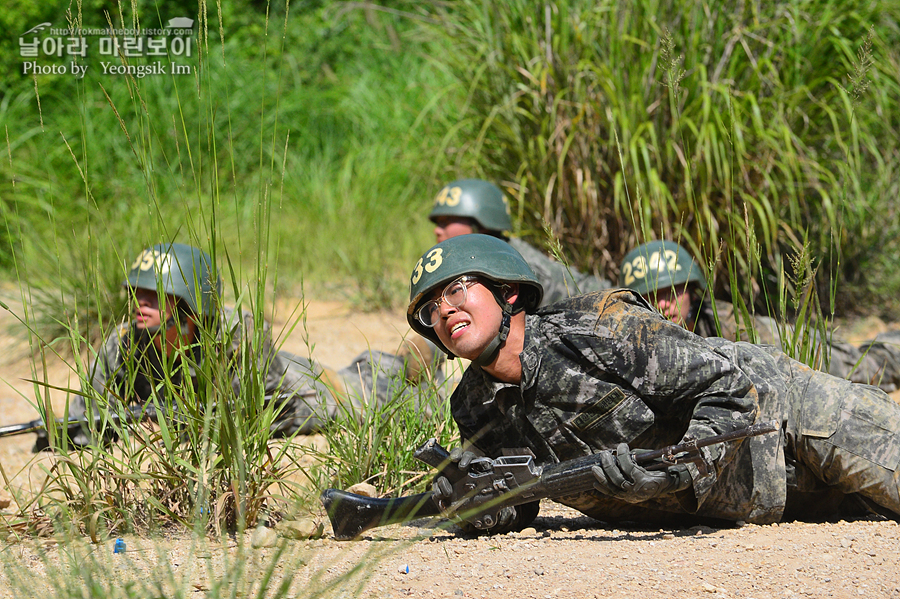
pixel 119 547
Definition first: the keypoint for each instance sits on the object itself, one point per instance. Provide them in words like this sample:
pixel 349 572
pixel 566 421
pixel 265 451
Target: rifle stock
pixel 352 514
pixel 509 481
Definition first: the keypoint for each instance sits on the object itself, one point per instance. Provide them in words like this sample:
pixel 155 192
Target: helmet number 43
pixel 434 258
pixel 640 267
pixel 449 196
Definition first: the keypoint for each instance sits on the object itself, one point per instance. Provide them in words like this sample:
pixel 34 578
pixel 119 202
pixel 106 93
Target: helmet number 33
pixel 434 259
pixel 150 257
pixel 640 266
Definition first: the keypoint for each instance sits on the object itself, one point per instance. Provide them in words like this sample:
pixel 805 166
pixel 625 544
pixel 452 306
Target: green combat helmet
pixel 478 255
pixel 479 200
pixel 659 264
pixel 179 270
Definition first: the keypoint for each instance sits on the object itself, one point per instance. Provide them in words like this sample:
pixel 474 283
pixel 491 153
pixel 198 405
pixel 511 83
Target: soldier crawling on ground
pixel 606 370
pixel 174 296
pixel 668 277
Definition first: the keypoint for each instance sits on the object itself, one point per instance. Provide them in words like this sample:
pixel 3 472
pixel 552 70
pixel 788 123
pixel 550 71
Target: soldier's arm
pixel 106 372
pixel 678 372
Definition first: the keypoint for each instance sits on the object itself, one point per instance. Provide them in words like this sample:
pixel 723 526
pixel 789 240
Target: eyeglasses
pixel 455 296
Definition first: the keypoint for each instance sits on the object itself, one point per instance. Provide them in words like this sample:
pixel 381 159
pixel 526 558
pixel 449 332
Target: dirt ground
pixel 563 555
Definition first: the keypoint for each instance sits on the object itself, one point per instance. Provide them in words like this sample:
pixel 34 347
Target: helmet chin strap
pixel 493 348
pixel 146 335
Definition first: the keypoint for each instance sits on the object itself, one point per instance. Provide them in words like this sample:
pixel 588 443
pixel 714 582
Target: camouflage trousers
pixel 841 451
pixel 843 437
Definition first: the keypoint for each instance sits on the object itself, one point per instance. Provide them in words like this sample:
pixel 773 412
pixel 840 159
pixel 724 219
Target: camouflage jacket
pixel 558 281
pixel 114 371
pixel 875 362
pixel 313 395
pixel 606 368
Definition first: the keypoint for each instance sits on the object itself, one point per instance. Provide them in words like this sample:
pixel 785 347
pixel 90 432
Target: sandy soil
pixel 563 555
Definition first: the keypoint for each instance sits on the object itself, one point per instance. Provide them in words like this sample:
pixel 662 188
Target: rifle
pixel 128 415
pixel 492 484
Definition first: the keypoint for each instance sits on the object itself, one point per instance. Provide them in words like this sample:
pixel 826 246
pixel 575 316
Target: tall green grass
pixel 572 106
pixel 329 116
pixel 376 446
pixel 282 174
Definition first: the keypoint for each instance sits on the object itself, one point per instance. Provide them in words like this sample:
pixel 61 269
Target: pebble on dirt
pixel 305 528
pixel 364 489
pixel 263 537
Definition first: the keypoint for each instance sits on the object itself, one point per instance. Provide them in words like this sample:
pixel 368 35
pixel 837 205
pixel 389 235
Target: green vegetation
pixel 329 118
pixel 286 168
pixel 303 148
pixel 716 124
pixel 712 124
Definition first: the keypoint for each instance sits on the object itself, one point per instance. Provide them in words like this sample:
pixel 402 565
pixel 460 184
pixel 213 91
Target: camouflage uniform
pixel 705 324
pixel 558 281
pixel 658 265
pixel 605 368
pixel 312 395
pixel 875 362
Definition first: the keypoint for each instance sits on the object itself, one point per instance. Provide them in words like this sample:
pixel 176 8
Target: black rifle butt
pixel 352 514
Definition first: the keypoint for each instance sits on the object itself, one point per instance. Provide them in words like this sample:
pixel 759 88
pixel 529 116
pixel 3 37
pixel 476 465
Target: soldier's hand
pixel 443 491
pixel 461 461
pixel 619 476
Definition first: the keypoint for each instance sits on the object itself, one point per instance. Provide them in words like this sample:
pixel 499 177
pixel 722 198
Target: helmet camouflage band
pixel 179 270
pixel 659 264
pixel 480 255
pixel 476 199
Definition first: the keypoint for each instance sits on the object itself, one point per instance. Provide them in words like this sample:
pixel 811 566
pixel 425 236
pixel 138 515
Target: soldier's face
pixel 446 227
pixel 674 304
pixel 467 329
pixel 148 314
pixel 147 311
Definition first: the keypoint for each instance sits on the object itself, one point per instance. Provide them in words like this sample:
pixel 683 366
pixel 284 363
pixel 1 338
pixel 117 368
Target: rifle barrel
pixel 130 414
pixel 760 428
